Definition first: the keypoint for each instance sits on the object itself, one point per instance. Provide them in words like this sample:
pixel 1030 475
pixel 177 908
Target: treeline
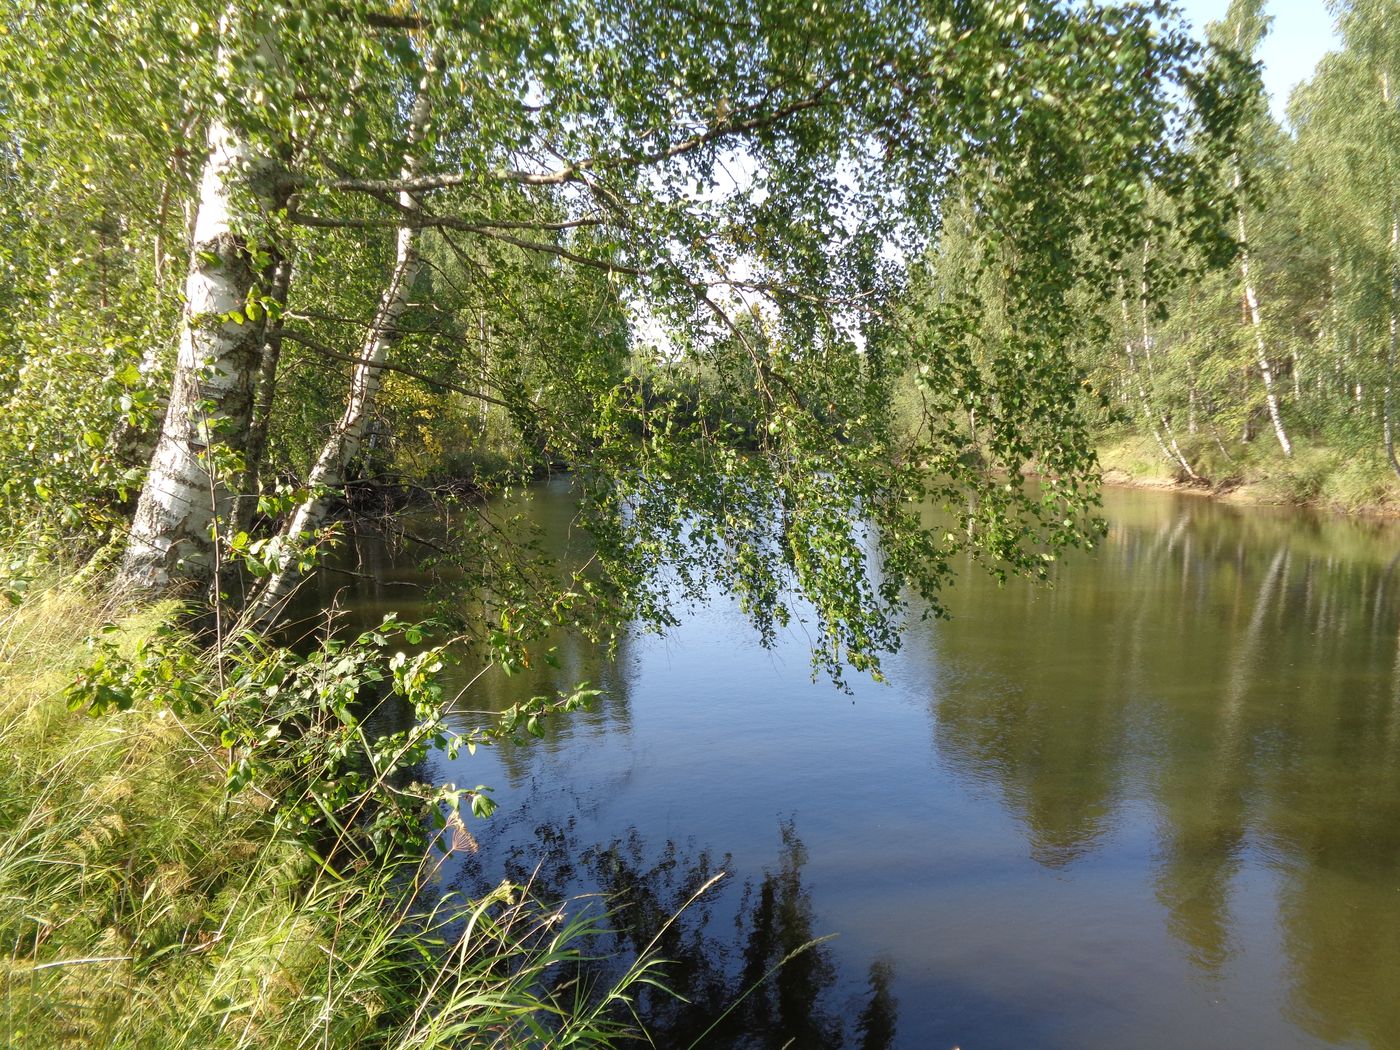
pixel 1284 362
pixel 1277 365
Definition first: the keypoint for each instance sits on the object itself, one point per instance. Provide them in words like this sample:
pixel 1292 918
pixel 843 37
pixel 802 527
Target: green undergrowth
pixel 1315 475
pixel 144 904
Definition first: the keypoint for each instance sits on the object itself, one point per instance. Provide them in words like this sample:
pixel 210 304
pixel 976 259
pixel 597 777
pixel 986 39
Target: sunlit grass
pixel 141 907
pixel 1316 475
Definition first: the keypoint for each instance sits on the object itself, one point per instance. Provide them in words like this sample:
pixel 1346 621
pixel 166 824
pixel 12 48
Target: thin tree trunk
pixel 1191 399
pixel 250 484
pixel 1257 325
pixel 211 400
pixel 484 365
pixel 340 448
pixel 1167 428
pixel 1172 453
pixel 1220 444
pixel 1387 400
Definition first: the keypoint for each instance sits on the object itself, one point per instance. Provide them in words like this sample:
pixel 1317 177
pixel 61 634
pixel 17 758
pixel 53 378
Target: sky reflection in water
pixel 1155 805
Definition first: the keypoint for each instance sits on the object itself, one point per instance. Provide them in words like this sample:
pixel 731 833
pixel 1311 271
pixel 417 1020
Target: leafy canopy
pixel 749 181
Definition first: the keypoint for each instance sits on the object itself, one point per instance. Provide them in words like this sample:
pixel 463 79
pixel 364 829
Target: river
pixel 1156 804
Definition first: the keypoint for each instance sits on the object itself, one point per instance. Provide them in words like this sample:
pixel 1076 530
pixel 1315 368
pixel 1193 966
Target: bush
pixel 144 904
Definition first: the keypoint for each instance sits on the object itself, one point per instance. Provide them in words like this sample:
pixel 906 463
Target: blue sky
pixel 1300 35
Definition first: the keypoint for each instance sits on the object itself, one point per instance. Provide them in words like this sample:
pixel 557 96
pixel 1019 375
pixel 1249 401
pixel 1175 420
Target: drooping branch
pixel 572 171
pixel 302 339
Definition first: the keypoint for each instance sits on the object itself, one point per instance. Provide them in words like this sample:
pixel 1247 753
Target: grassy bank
pixel 142 905
pixel 1316 476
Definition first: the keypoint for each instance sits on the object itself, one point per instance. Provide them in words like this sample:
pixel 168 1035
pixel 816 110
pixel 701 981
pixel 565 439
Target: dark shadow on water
pixel 742 968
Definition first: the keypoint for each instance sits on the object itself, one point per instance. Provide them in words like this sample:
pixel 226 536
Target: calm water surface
pixel 1156 805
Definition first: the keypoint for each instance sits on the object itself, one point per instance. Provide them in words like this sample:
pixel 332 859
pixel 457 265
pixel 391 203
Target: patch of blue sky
pixel 1302 32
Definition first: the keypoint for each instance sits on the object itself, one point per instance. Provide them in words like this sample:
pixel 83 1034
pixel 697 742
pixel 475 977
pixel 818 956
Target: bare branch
pixel 301 218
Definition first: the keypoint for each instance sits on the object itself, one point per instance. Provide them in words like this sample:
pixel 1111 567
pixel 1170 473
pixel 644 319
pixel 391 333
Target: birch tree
pixel 747 180
pixel 344 442
pixel 95 171
pixel 1245 26
pixel 1349 134
pixel 210 408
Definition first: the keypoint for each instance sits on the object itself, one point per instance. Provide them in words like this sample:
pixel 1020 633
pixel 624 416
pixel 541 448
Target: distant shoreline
pixel 1261 493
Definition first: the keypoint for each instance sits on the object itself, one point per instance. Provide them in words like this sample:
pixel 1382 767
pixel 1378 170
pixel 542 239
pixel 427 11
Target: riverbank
pixel 1316 478
pixel 147 904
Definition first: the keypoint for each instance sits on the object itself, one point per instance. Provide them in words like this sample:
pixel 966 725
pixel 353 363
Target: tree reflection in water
pixel 1202 721
pixel 1240 674
pixel 728 984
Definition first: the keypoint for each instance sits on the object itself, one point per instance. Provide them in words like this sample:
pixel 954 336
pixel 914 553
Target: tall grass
pixel 141 906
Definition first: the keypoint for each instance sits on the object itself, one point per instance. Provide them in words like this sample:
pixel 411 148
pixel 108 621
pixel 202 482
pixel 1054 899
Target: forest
pixel 763 282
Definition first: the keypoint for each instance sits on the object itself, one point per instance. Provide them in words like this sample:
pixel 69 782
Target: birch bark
pixel 1393 324
pixel 1393 321
pixel 1163 433
pixel 211 400
pixel 340 448
pixel 1256 325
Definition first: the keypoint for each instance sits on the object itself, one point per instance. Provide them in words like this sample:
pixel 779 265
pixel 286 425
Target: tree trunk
pixel 1191 398
pixel 1164 436
pixel 1256 323
pixel 340 448
pixel 172 534
pixel 1393 309
pixel 1387 400
pixel 250 484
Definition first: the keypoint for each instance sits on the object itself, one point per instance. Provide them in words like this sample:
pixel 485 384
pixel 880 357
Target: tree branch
pixel 336 355
pixel 301 218
pixel 572 172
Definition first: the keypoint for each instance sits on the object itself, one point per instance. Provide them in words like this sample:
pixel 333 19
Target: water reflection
pixel 1237 671
pixel 1156 804
pixel 757 978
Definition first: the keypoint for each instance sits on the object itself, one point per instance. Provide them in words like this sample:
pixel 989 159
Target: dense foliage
pixel 661 246
pixel 1280 365
pixel 796 293
pixel 151 907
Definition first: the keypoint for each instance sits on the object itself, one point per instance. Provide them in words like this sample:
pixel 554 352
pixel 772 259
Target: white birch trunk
pixel 1163 436
pixel 1167 428
pixel 211 399
pixel 1256 324
pixel 1191 398
pixel 1387 399
pixel 340 448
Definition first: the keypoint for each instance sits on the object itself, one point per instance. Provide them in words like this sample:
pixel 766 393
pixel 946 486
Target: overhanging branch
pixel 335 355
